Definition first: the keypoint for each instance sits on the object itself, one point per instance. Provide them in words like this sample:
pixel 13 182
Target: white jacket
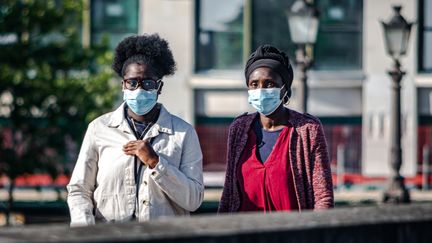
pixel 102 186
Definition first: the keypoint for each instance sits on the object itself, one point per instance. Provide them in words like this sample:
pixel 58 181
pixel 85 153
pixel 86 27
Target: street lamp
pixel 396 35
pixel 303 24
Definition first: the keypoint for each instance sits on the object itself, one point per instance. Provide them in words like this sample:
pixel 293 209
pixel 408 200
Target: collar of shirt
pixel 163 123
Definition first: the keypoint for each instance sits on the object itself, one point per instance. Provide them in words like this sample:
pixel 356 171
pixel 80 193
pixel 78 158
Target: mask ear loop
pixel 160 85
pixel 285 95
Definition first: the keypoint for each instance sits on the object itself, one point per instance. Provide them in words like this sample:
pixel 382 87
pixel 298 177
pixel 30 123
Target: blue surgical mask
pixel 140 101
pixel 265 101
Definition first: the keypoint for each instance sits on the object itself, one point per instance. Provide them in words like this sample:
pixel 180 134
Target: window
pixel 115 18
pixel 339 38
pixel 221 28
pixel 425 34
pixel 270 25
pixel 424 129
pixel 220 34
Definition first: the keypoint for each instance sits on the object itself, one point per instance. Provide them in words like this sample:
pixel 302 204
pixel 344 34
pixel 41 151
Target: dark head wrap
pixel 271 57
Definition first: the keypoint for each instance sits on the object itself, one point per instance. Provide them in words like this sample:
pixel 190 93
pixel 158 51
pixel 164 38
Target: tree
pixel 50 86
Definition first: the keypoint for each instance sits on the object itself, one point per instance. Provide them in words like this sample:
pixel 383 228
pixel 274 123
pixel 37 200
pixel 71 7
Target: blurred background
pixel 55 77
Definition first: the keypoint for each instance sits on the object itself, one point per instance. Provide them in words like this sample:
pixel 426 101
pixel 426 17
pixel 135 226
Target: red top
pixel 267 186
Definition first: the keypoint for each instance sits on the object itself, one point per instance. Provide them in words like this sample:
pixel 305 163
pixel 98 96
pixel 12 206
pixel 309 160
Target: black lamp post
pixel 303 24
pixel 396 35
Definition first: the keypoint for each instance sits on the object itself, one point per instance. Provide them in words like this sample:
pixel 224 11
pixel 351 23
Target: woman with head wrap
pixel 277 158
pixel 139 162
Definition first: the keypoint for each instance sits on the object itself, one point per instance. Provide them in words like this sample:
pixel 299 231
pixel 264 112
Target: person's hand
pixel 143 150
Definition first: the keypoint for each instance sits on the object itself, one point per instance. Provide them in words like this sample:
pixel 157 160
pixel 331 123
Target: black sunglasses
pixel 146 84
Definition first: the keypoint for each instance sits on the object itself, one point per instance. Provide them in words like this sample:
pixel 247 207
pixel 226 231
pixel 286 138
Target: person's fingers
pixel 133 147
pixel 131 143
pixel 126 149
pixel 129 151
pixel 136 147
pixel 129 147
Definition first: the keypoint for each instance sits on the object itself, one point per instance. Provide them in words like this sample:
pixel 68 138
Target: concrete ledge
pixel 403 223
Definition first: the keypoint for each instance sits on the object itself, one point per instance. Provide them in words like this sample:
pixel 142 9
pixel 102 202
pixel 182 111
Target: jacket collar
pixel 163 123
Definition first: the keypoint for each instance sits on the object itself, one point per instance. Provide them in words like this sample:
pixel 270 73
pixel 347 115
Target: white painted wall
pixel 222 103
pixel 173 21
pixel 377 91
pixel 332 101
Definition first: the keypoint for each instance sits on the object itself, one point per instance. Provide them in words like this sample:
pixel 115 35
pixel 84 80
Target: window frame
pixel 109 31
pixel 248 41
pixel 345 28
pixel 420 35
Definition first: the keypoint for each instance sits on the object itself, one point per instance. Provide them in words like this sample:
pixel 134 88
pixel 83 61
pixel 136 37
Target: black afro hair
pixel 146 49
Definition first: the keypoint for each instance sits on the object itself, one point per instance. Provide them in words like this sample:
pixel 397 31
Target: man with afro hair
pixel 138 162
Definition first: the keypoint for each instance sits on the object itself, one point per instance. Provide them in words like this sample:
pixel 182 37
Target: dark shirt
pixel 265 141
pixel 136 126
pixel 139 126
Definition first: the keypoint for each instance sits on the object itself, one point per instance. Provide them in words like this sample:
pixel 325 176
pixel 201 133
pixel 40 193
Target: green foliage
pixel 50 85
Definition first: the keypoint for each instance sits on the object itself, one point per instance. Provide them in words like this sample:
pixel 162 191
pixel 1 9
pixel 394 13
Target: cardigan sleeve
pixel 227 191
pixel 321 177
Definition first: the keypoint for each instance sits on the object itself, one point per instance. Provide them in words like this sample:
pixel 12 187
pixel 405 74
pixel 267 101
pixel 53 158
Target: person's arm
pixel 82 183
pixel 183 185
pixel 321 177
pixel 227 189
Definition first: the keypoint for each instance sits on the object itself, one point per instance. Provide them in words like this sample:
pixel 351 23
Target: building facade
pixel 349 88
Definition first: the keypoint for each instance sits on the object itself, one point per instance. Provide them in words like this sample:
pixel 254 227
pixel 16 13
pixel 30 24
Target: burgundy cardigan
pixel 308 157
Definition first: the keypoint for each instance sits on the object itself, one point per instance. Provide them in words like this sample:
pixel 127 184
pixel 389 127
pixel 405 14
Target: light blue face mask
pixel 140 101
pixel 265 101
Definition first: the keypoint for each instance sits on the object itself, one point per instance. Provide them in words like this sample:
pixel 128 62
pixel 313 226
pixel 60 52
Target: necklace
pixel 143 132
pixel 134 128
